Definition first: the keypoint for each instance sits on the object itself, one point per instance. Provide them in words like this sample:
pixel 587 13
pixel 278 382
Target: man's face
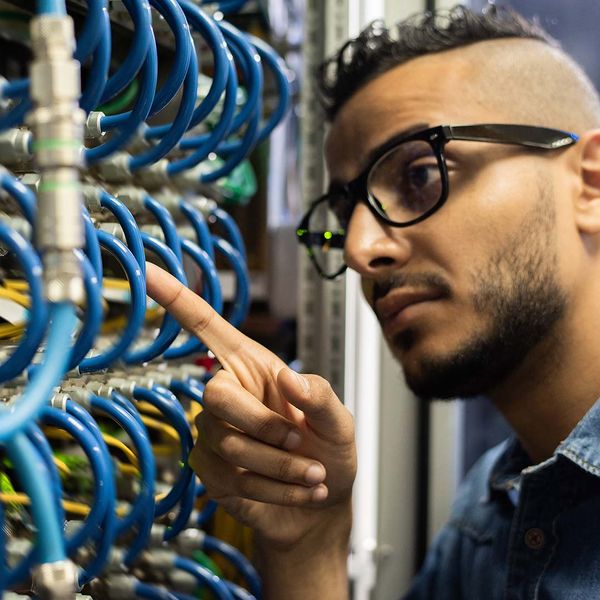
pixel 464 296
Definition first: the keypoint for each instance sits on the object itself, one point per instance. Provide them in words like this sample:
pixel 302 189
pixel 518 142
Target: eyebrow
pixel 338 184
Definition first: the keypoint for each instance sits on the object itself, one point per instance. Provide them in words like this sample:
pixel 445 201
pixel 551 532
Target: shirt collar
pixel 581 447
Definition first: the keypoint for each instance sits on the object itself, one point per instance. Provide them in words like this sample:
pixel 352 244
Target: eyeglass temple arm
pixel 522 135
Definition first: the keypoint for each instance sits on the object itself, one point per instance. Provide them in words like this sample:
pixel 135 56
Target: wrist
pixel 314 564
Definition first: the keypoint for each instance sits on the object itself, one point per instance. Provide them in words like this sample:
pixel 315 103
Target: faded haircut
pixel 377 49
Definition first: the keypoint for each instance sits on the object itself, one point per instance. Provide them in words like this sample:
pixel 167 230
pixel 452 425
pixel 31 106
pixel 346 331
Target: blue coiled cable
pixel 98 73
pixel 92 246
pixel 200 226
pixel 140 14
pixel 91 31
pixel 210 32
pixel 129 226
pixel 231 229
pixel 167 224
pixel 185 389
pixel 214 297
pixel 169 328
pixel 93 311
pixel 16 416
pixel 33 474
pixel 143 590
pixel 241 302
pixel 237 559
pixel 205 144
pixel 275 63
pixel 204 577
pixel 21 194
pixel 108 529
pixel 178 421
pixel 31 265
pixel 128 122
pixel 137 305
pixel 142 509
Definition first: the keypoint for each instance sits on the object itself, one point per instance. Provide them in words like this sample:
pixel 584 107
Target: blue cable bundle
pixel 86 395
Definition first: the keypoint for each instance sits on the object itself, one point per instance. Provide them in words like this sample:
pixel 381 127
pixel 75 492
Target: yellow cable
pixel 119 445
pixel 10 294
pixel 59 434
pixel 62 466
pixel 169 431
pixel 17 284
pixel 126 469
pixel 148 408
pixel 164 450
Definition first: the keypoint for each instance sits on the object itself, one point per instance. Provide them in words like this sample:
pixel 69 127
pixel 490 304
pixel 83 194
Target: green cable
pixel 120 103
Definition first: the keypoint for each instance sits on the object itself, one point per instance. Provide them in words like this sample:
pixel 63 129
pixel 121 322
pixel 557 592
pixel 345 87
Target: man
pixel 479 250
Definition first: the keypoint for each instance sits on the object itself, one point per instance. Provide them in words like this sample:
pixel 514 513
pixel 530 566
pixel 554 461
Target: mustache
pixel 427 281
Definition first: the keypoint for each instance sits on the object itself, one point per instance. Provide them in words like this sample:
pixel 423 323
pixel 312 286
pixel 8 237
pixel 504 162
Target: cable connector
pixel 93 130
pixel 115 168
pixel 124 386
pixel 189 540
pixel 132 197
pixel 55 581
pixel 155 175
pixel 15 146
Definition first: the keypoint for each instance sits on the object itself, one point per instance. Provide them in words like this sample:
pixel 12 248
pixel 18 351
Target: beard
pixel 518 295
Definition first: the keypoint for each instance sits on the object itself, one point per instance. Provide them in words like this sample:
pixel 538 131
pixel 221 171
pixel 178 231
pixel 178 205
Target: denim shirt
pixel 521 531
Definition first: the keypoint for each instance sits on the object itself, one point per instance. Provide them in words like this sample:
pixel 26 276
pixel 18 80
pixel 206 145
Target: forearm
pixel 316 567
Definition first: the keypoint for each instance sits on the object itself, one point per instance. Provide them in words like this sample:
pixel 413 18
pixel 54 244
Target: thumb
pixel 322 409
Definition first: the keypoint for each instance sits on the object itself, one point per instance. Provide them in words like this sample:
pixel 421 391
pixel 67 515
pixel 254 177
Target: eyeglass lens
pixel 406 182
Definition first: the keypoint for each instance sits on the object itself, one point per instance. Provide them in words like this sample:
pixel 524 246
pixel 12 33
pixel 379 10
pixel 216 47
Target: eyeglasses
pixel 404 184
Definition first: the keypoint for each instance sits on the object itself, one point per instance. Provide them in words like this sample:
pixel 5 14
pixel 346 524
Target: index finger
pixel 193 313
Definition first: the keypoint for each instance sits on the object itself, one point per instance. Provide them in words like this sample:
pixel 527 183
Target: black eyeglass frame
pixel 542 138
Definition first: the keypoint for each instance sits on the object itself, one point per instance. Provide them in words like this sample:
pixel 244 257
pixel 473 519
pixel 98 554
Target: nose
pixel 373 248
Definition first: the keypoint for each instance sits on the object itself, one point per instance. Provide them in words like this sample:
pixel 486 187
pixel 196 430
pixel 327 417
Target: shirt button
pixel 534 538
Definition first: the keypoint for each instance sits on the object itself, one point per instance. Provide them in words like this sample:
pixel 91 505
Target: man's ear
pixel 587 202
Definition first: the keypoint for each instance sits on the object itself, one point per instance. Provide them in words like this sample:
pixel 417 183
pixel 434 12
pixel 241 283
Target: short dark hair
pixel 376 50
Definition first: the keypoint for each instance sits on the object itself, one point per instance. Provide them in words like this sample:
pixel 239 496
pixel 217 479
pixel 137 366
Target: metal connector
pixel 155 175
pixel 93 130
pixel 57 125
pixel 190 540
pixel 115 168
pixel 55 581
pixel 15 146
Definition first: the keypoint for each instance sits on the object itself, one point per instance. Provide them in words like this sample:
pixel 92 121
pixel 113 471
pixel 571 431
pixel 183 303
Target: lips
pixel 397 300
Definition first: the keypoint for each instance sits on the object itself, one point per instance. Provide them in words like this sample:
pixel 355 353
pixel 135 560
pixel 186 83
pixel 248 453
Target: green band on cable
pixel 55 144
pixel 52 186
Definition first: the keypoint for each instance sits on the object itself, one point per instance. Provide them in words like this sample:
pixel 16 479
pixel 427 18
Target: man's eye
pixel 419 175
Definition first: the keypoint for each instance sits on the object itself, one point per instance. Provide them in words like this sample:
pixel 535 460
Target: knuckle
pixel 265 428
pixel 229 446
pixel 284 467
pixel 289 497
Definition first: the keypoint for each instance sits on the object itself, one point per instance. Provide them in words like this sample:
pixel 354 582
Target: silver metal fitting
pixel 15 146
pixel 100 389
pixel 115 168
pixel 55 581
pixel 80 395
pixel 138 142
pixel 159 560
pixel 155 231
pixel 189 540
pixel 157 535
pixel 113 228
pixel 132 197
pixel 155 175
pixel 93 130
pixel 31 181
pixel 190 178
pixel 203 204
pixel 62 277
pixel 169 200
pixel 60 401
pixel 124 386
pixel 120 587
pixel 91 197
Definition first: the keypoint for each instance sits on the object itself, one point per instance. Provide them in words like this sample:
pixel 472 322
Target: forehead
pixel 435 89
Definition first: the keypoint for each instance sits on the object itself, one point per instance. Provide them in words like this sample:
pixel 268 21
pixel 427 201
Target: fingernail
pixel 302 381
pixel 314 474
pixel 292 441
pixel 320 493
